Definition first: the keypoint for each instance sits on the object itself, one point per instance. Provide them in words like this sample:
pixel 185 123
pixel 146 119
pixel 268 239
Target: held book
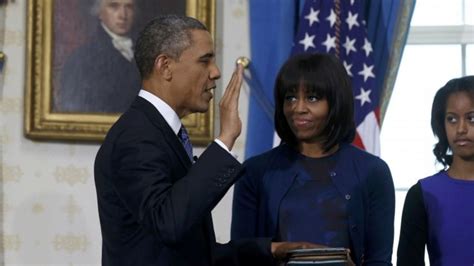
pixel 320 256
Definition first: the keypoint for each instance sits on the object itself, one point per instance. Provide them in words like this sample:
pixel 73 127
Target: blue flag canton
pixel 337 27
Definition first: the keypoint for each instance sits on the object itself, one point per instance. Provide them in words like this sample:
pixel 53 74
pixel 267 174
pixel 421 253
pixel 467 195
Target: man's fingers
pixel 229 86
pixel 232 92
pixel 234 87
pixel 240 73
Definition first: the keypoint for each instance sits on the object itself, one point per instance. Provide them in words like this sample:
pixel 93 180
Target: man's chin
pixel 204 109
pixel 201 109
pixel 122 32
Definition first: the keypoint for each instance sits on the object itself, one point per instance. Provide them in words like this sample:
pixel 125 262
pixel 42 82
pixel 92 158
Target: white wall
pixel 48 205
pixel 232 40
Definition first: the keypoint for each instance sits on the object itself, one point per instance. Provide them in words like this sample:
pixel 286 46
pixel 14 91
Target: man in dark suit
pixel 101 76
pixel 154 201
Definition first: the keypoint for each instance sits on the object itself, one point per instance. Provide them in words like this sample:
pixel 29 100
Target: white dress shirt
pixel 171 117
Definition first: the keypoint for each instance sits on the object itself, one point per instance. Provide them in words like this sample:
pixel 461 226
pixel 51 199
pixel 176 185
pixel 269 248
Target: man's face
pixel 194 75
pixel 117 15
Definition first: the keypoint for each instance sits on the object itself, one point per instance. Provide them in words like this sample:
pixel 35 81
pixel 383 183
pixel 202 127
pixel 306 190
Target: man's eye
pixel 471 119
pixel 205 61
pixel 114 5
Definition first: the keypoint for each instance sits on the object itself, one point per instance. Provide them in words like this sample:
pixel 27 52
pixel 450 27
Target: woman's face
pixel 306 114
pixel 459 125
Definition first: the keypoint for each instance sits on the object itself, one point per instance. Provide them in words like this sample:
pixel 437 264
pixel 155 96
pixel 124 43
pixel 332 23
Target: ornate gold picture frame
pixel 42 119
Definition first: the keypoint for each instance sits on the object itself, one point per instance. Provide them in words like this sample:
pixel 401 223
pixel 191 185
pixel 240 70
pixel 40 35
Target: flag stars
pixel 308 41
pixel 312 16
pixel 349 45
pixel 351 20
pixel 367 47
pixel 367 72
pixel 364 96
pixel 347 67
pixel 330 42
pixel 332 18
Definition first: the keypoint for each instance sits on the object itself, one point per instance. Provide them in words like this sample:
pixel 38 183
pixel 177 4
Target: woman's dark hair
pixel 326 76
pixel 438 113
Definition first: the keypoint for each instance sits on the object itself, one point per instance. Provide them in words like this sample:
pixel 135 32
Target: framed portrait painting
pixel 81 72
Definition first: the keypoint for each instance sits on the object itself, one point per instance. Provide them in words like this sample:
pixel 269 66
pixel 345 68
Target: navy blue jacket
pixel 361 178
pixel 155 205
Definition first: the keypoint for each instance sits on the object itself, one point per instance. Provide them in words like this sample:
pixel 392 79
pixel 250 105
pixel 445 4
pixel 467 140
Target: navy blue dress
pixel 438 213
pixel 313 197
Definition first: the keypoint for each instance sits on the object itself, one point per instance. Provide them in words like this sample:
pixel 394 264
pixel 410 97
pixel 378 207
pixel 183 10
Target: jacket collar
pixel 160 123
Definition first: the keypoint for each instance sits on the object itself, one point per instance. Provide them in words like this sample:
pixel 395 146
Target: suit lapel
pixel 160 123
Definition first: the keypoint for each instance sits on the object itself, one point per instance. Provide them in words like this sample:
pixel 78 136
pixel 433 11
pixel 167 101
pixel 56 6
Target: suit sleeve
pixel 166 203
pixel 413 231
pixel 381 212
pixel 245 203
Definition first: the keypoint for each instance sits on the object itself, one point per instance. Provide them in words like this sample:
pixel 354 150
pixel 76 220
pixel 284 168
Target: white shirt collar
pixel 165 110
pixel 170 115
pixel 123 44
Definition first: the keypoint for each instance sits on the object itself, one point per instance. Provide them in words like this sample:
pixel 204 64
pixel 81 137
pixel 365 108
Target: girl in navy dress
pixel 439 210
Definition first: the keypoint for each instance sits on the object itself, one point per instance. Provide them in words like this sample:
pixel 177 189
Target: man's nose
pixel 214 72
pixel 123 12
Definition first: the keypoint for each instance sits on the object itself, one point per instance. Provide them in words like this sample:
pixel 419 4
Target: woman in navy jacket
pixel 316 186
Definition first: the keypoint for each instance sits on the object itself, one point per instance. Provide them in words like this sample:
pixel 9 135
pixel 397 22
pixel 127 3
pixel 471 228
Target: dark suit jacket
pixel 362 179
pixel 97 78
pixel 155 205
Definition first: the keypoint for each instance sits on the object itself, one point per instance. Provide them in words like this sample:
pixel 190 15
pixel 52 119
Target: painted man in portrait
pixel 101 76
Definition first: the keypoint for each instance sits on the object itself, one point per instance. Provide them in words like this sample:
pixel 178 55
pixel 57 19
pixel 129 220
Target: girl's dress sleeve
pixel 413 232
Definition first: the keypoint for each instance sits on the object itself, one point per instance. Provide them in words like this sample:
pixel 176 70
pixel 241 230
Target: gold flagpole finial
pixel 244 61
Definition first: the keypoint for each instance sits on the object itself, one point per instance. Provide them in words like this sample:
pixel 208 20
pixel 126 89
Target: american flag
pixel 337 27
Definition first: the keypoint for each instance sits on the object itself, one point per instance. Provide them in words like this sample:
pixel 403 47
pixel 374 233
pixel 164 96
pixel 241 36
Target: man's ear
pixel 162 66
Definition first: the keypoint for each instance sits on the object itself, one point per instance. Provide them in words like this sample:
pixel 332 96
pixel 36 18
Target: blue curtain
pixel 388 22
pixel 272 27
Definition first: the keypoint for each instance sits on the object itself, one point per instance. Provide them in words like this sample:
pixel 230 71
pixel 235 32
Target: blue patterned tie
pixel 184 137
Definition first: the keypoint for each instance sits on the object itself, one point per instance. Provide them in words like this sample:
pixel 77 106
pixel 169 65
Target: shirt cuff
pixel 220 143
